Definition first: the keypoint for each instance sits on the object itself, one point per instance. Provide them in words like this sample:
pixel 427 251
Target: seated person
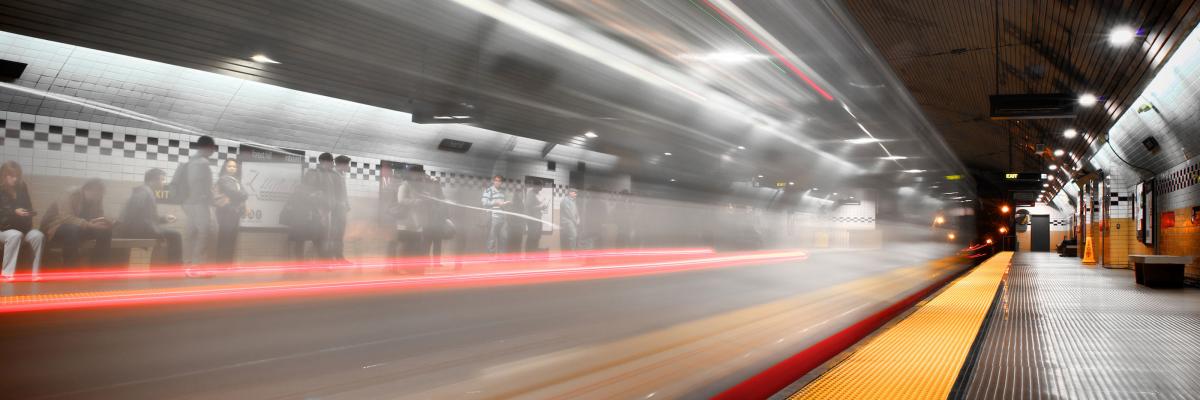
pixel 16 221
pixel 77 218
pixel 140 218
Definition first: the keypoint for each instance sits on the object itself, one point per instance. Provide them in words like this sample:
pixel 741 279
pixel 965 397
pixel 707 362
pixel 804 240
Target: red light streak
pixel 193 294
pixel 469 260
pixel 770 49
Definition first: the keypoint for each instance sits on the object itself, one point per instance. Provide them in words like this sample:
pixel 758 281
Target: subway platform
pixel 1027 325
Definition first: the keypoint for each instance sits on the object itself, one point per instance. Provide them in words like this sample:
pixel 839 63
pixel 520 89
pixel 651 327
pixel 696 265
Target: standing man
pixel 141 219
pixel 341 209
pixel 535 204
pixel 569 220
pixel 493 198
pixel 198 200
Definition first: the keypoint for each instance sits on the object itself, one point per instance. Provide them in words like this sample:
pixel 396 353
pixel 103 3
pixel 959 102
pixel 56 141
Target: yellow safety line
pixel 919 357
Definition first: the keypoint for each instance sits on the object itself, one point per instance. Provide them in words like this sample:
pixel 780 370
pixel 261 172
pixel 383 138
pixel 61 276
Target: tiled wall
pixel 1179 192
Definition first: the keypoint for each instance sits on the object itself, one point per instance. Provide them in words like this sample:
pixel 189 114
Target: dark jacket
pixel 230 187
pixel 140 217
pixel 8 209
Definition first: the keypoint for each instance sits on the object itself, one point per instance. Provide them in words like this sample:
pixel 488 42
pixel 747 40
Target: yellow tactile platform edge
pixel 919 357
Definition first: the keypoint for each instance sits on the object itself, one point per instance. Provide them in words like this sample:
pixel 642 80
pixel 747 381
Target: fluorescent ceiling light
pixel 791 183
pixel 666 154
pixel 1070 133
pixel 1087 100
pixel 1059 152
pixel 741 147
pixel 862 140
pixel 1122 35
pixel 894 158
pixel 1053 167
pixel 672 179
pixel 591 134
pixel 262 59
pixel 913 171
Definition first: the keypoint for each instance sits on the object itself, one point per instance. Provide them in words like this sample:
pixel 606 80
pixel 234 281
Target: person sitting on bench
pixel 77 218
pixel 141 220
pixel 16 221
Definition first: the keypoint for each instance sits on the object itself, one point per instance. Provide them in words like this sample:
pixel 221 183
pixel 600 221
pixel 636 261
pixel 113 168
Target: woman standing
pixel 16 220
pixel 230 203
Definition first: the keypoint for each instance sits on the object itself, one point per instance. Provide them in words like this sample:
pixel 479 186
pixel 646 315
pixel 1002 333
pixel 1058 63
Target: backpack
pixel 178 188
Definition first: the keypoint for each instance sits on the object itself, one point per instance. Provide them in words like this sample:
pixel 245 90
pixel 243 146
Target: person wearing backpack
pixel 192 185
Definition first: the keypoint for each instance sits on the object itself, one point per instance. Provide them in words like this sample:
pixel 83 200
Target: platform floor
pixel 1054 329
pixel 1064 330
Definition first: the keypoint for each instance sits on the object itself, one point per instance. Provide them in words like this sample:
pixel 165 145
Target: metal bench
pixel 1159 271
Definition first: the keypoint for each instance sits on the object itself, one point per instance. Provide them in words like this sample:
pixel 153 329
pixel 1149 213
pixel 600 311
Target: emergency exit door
pixel 1039 234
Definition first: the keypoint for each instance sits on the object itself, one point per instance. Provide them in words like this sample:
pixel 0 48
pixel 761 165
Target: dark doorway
pixel 1039 235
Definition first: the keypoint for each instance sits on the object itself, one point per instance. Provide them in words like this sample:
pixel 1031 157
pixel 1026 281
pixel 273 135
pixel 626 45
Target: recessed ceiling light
pixel 1087 99
pixel 1122 35
pixel 760 176
pixel 741 147
pixel 816 189
pixel 835 193
pixel 1045 185
pixel 666 154
pixel 1070 133
pixel 791 183
pixel 851 197
pixel 894 158
pixel 862 140
pixel 1059 152
pixel 1053 167
pixel 591 134
pixel 672 179
pixel 913 171
pixel 259 58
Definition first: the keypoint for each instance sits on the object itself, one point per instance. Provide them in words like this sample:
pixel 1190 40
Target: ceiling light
pixel 862 140
pixel 894 158
pixel 672 179
pixel 791 183
pixel 816 189
pixel 1070 133
pixel 835 193
pixel 726 157
pixel 913 171
pixel 1045 185
pixel 262 59
pixel 666 154
pixel 1122 35
pixel 591 134
pixel 741 147
pixel 1087 100
pixel 1059 152
pixel 851 197
pixel 1053 167
pixel 760 176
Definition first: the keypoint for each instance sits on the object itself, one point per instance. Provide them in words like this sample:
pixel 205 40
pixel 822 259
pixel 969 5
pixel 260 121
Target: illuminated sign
pixel 1012 176
pixel 953 177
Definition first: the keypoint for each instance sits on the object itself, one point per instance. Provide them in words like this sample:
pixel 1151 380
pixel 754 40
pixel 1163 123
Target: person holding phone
pixel 16 220
pixel 78 218
pixel 141 219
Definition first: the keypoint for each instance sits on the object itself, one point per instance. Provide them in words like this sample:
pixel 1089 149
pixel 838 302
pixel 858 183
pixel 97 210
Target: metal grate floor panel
pixel 1062 330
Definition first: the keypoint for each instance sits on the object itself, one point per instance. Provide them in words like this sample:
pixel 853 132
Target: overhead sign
pixel 953 177
pixel 1023 176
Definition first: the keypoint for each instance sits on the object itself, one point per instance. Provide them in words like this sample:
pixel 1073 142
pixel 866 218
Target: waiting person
pixel 198 199
pixel 515 223
pixel 307 212
pixel 568 220
pixel 141 219
pixel 16 220
pixel 494 199
pixel 536 203
pixel 326 181
pixel 340 210
pixel 410 216
pixel 77 218
pixel 437 226
pixel 230 204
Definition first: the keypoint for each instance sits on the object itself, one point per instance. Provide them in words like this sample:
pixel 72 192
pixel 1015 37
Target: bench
pixel 1159 271
pixel 120 253
pixel 1070 250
